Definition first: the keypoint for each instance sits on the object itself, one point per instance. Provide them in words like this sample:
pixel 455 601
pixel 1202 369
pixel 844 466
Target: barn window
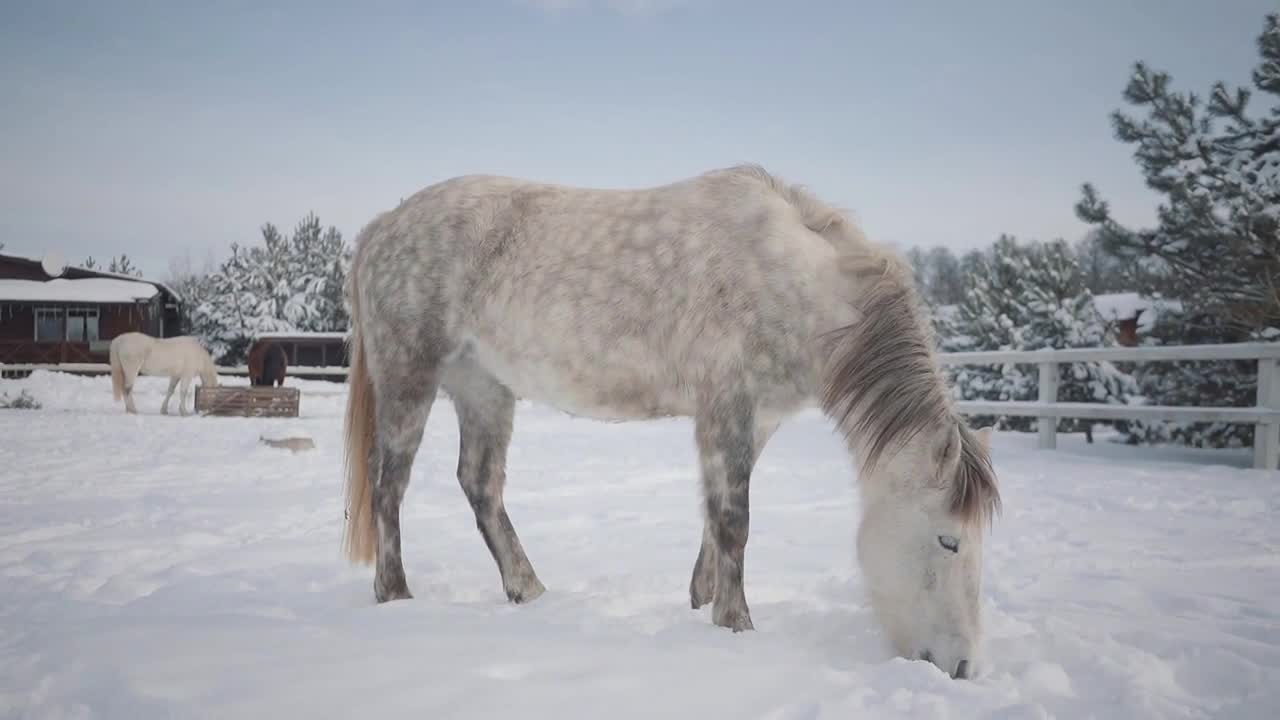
pixel 82 325
pixel 50 324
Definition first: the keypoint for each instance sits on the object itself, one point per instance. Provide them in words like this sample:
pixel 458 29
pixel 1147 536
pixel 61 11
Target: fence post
pixel 1048 394
pixel 1266 436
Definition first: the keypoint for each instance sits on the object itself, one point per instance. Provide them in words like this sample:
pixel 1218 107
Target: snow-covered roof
pixel 104 274
pixel 301 335
pixel 92 290
pixel 1121 306
pixel 163 286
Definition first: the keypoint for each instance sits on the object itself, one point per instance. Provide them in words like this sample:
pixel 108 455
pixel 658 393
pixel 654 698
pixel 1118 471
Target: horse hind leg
pixel 403 404
pixel 486 409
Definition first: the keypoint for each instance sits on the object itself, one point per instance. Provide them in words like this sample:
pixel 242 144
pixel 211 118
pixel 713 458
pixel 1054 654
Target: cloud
pixel 625 7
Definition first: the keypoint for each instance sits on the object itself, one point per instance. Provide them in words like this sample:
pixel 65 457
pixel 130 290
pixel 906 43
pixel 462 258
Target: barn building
pixel 308 349
pixel 50 313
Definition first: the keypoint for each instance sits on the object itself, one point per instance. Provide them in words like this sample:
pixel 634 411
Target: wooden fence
pixel 1264 415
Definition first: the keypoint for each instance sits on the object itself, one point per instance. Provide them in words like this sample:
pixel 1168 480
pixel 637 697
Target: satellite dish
pixel 53 263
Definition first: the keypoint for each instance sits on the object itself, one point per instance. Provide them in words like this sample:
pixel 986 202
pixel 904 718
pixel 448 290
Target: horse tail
pixel 360 541
pixel 117 373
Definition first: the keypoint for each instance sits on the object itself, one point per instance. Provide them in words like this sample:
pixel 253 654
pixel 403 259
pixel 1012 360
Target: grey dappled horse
pixel 731 298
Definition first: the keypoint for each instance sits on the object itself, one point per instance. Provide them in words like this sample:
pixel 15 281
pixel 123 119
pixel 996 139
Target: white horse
pixel 731 298
pixel 181 358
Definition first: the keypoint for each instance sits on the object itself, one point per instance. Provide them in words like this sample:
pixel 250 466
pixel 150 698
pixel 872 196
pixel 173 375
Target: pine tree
pixel 1216 246
pixel 89 263
pixel 1192 383
pixel 122 265
pixel 282 285
pixel 1102 270
pixel 946 283
pixel 990 318
pixel 1217 242
pixel 1031 297
pixel 920 273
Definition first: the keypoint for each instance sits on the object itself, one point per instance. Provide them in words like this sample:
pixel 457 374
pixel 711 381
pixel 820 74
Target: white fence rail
pixel 1264 415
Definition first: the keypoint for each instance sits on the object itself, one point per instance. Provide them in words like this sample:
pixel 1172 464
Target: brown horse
pixel 267 364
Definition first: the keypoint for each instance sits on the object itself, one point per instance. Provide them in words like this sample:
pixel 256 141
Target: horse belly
pixel 617 388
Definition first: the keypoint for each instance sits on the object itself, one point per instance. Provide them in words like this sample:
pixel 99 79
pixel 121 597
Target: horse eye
pixel 949 543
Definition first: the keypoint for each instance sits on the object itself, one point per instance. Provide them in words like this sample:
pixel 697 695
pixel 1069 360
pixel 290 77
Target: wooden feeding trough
pixel 244 401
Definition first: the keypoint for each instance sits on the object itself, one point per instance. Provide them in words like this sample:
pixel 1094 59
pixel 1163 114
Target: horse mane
pixel 974 495
pixel 883 384
pixel 823 219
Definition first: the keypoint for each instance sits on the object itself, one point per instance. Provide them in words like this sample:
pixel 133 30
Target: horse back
pixel 676 286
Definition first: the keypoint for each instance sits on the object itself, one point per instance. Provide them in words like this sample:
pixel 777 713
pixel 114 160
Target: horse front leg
pixel 129 379
pixel 727 434
pixel 129 407
pixel 182 396
pixel 702 586
pixel 164 407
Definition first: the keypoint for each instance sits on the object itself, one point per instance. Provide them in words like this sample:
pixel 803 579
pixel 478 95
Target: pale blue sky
pixel 163 128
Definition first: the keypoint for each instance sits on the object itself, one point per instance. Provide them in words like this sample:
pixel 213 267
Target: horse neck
pixel 882 383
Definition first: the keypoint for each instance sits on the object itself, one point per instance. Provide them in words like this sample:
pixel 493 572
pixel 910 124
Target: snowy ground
pixel 158 566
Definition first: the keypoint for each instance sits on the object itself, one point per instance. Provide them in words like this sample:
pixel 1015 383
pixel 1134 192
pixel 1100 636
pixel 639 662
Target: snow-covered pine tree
pixel 920 273
pixel 1217 241
pixel 1031 297
pixel 284 284
pixel 990 317
pixel 1206 384
pixel 946 283
pixel 321 261
pixel 1061 314
pixel 1102 270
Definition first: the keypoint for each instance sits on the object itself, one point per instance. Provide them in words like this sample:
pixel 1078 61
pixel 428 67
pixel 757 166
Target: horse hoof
pixel 528 592
pixel 737 621
pixel 386 596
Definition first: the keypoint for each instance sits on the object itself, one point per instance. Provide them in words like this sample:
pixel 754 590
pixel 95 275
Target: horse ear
pixel 946 451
